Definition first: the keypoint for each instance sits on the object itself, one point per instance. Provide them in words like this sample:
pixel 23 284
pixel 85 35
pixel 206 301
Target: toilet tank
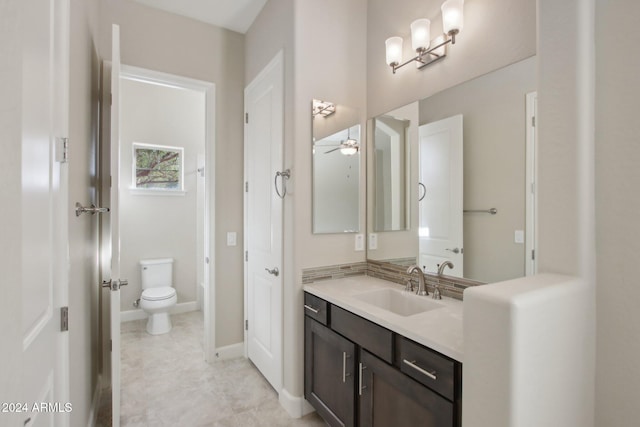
pixel 156 272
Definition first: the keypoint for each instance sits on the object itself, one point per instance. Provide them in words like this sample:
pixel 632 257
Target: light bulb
pixel 394 50
pixel 420 34
pixel 452 16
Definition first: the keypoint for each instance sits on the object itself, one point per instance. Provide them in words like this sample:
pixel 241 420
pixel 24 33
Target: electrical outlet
pixel 359 242
pixel 373 241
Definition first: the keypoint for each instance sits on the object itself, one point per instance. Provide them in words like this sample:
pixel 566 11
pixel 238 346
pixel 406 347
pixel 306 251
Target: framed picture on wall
pixel 158 167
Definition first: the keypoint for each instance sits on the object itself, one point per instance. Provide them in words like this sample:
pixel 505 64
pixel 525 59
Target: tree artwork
pixel 158 168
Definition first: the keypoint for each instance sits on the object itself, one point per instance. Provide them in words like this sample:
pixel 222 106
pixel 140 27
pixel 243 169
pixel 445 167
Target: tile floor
pixel 165 382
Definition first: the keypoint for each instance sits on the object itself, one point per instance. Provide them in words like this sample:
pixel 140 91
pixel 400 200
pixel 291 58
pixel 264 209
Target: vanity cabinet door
pixel 329 372
pixel 390 398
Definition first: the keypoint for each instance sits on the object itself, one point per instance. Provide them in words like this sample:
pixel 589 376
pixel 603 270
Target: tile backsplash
pixel 397 272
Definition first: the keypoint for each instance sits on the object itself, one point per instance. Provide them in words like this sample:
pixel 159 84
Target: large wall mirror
pixel 470 165
pixel 336 168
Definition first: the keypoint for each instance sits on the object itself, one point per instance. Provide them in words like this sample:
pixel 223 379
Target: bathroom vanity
pixel 377 355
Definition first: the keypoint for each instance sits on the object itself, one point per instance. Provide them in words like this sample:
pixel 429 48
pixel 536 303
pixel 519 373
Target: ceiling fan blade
pixel 331 151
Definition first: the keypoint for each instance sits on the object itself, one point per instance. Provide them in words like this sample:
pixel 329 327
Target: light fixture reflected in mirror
pixel 322 108
pixel 452 23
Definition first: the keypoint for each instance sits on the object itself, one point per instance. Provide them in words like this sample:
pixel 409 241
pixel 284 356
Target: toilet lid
pixel 156 294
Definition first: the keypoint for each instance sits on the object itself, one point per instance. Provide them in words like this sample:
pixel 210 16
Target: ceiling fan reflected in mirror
pixel 348 147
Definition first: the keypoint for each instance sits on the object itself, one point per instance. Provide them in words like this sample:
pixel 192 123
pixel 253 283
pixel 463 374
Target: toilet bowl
pixel 156 302
pixel 158 296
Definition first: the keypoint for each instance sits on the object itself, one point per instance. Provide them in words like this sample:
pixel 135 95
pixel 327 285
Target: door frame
pixel 278 60
pixel 208 88
pixel 531 178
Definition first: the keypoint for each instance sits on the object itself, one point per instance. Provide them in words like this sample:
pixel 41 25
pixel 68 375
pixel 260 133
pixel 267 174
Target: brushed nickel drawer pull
pixel 360 386
pixel 431 374
pixel 314 310
pixel 345 356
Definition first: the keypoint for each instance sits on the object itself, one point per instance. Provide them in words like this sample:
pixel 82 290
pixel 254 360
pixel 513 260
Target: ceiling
pixel 235 15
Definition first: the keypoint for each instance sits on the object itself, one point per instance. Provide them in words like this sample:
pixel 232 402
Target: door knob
pixel 114 284
pixel 275 271
pixel 454 250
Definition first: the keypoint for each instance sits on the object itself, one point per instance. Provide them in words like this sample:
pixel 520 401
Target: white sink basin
pixel 399 302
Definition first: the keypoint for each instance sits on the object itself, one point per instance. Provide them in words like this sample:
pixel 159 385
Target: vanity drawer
pixel 428 367
pixel 374 338
pixel 316 308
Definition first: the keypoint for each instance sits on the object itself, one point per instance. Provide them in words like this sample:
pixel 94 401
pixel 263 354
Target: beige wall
pixel 160 225
pixel 493 107
pixel 84 291
pixel 618 210
pixel 496 33
pixel 164 42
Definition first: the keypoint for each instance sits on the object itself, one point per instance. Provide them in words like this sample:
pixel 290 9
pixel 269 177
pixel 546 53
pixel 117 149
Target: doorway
pixel 165 212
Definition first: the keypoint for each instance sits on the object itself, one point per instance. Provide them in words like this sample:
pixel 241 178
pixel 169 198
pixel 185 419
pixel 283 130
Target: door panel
pixel 440 211
pixel 329 373
pixel 44 209
pixel 263 221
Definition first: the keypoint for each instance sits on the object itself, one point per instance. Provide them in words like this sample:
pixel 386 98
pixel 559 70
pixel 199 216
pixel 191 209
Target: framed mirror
pixel 498 168
pixel 336 169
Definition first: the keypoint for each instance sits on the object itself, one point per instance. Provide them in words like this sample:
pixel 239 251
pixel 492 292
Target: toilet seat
pixel 158 294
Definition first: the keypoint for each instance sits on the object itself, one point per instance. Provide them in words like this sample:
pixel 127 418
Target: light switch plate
pixel 518 236
pixel 232 239
pixel 359 242
pixel 373 241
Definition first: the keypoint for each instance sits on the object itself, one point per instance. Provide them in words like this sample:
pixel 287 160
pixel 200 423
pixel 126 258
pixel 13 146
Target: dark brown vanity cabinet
pixel 358 373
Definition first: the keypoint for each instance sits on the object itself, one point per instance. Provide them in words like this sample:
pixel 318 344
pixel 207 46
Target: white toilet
pixel 157 294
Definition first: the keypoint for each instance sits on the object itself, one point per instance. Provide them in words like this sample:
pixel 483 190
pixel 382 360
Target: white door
pixel 440 210
pixel 263 221
pixel 115 281
pixel 45 262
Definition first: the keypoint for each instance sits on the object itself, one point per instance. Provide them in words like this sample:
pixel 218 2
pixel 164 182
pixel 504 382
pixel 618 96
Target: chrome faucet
pixel 436 291
pixel 422 289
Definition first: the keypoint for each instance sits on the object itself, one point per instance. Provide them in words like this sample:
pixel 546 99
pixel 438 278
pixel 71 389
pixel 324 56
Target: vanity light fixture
pixel 452 23
pixel 322 108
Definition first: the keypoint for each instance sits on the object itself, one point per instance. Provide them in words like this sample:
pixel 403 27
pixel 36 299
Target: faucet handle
pixel 408 287
pixel 436 292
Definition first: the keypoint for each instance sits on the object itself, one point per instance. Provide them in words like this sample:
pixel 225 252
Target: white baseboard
pixel 138 314
pixel 296 407
pixel 95 403
pixel 230 351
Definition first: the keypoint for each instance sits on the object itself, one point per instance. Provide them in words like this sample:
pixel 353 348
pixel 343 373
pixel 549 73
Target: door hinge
pixel 64 319
pixel 246 117
pixel 246 255
pixel 111 99
pixel 533 254
pixel 246 186
pixel 533 121
pixel 246 325
pixel 533 188
pixel 62 150
pixel 110 345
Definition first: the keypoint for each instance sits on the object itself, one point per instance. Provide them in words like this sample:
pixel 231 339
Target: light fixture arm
pixel 429 56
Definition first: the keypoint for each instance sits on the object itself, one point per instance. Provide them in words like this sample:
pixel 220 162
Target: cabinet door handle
pixel 412 363
pixel 360 386
pixel 345 356
pixel 311 309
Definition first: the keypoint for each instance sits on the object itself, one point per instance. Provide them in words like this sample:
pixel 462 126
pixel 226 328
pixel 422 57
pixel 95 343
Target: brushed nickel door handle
pixel 274 271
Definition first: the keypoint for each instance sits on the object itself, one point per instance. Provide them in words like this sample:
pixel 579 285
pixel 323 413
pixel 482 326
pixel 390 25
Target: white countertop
pixel 439 329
